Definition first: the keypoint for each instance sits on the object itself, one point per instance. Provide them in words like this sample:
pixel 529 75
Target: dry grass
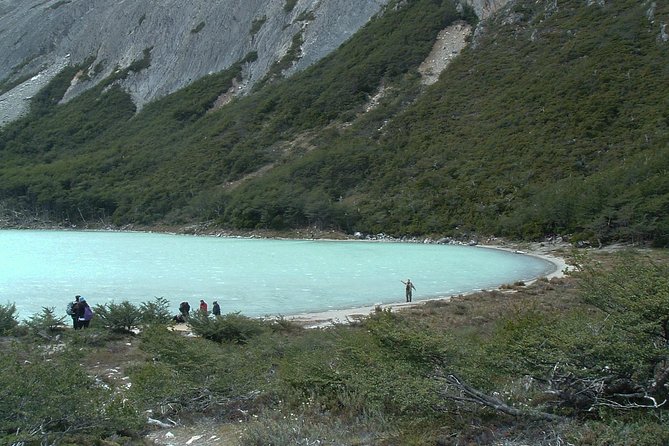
pixel 111 362
pixel 484 308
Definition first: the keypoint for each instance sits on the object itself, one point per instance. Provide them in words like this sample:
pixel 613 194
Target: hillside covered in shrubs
pixel 554 120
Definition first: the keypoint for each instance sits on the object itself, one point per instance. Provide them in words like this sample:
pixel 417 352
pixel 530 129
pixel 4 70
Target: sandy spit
pixel 347 315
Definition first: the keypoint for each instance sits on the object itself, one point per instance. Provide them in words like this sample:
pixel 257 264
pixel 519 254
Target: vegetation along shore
pixel 575 359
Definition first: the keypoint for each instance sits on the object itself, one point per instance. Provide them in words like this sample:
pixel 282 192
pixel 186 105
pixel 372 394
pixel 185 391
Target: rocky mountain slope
pixel 174 42
pixel 549 118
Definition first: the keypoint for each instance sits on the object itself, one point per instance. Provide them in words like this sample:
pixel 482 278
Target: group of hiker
pixel 80 312
pixel 184 310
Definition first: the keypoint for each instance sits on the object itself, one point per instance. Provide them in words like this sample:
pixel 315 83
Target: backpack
pixel 70 309
pixel 88 314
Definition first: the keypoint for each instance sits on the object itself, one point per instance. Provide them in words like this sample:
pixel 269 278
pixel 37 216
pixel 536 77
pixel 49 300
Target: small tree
pixel 231 327
pixel 46 321
pixel 634 296
pixel 156 312
pixel 8 319
pixel 123 317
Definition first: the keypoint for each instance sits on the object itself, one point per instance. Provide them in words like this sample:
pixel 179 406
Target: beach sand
pixel 549 252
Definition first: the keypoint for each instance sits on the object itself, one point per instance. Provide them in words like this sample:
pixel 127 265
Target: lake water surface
pixel 254 276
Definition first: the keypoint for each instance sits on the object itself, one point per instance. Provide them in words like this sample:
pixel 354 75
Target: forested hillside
pixel 554 120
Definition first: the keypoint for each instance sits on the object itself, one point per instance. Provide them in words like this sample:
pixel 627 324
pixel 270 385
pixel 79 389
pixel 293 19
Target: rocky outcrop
pixel 450 42
pixel 453 39
pixel 486 8
pixel 14 103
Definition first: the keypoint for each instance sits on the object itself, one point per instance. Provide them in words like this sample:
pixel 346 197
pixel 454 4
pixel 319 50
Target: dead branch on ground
pixel 456 389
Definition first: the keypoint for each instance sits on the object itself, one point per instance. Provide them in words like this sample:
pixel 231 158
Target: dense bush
pixel 46 321
pixel 232 327
pixel 608 355
pixel 52 400
pixel 198 375
pixel 8 319
pixel 122 316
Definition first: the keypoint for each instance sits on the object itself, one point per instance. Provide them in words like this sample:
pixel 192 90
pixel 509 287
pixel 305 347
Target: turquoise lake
pixel 256 277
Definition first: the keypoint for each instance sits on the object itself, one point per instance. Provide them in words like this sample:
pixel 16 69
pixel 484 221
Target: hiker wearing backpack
pixel 72 309
pixel 184 310
pixel 84 314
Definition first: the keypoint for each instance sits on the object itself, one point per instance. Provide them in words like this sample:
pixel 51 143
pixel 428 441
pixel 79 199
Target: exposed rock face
pixel 177 41
pixel 486 8
pixel 453 39
pixel 171 43
pixel 450 42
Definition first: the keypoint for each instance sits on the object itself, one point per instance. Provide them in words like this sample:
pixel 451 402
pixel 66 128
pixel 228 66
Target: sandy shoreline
pixel 342 316
pixel 328 318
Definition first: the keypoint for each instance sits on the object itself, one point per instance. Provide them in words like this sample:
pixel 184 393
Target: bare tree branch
pixel 467 393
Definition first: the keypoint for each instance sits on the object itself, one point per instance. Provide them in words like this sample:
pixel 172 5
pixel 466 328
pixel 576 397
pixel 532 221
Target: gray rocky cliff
pixel 183 41
pixel 171 42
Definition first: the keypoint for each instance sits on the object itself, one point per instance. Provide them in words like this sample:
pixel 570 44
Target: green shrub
pixel 196 375
pixel 620 433
pixel 198 28
pixel 232 327
pixel 46 399
pixel 406 340
pixel 122 316
pixel 350 372
pixel 289 5
pixel 8 319
pixel 156 312
pixel 608 354
pixel 283 325
pixel 46 321
pixel 158 387
pixel 257 24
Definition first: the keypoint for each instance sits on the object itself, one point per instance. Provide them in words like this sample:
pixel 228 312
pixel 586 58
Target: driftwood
pixel 162 424
pixel 590 393
pixel 457 390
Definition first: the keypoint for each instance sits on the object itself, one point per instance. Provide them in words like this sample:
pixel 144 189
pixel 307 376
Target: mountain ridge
pixel 550 122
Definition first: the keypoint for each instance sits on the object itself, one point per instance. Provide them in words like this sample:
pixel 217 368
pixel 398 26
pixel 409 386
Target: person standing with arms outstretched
pixel 409 289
